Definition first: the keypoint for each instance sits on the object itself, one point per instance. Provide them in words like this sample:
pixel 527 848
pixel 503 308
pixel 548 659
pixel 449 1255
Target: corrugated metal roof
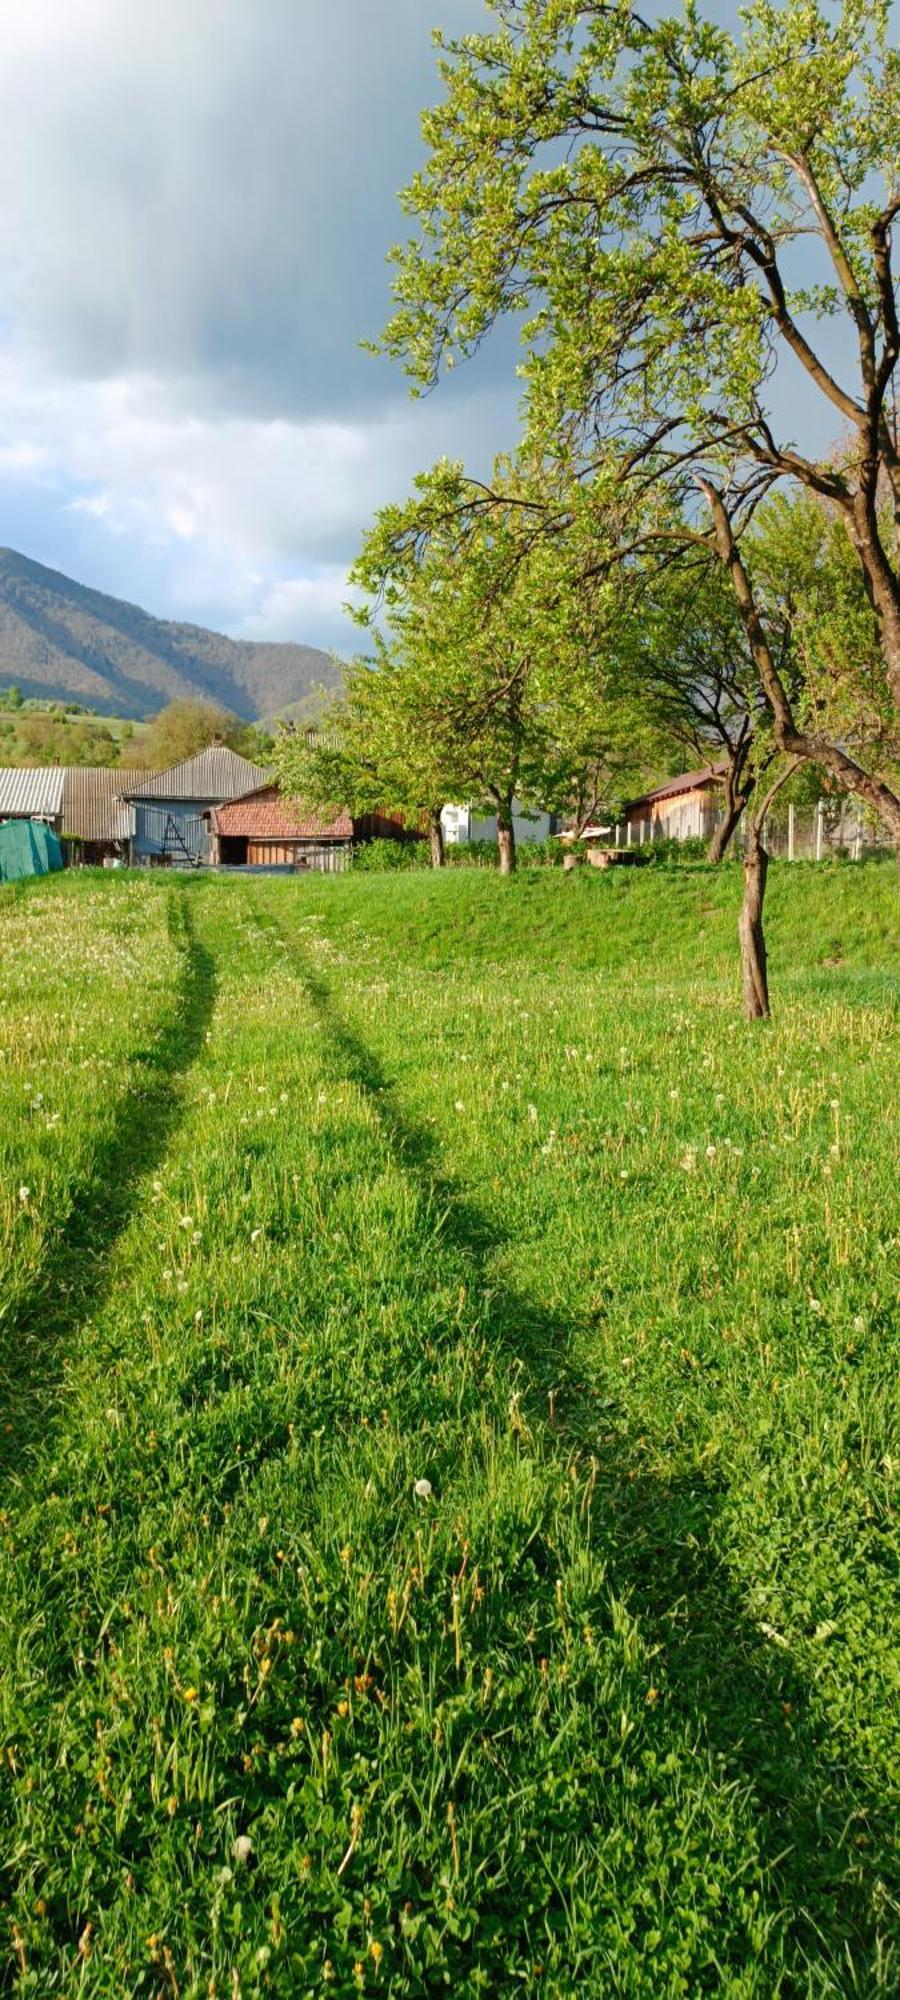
pixel 213 775
pixel 264 815
pixel 93 807
pixel 689 781
pixel 32 793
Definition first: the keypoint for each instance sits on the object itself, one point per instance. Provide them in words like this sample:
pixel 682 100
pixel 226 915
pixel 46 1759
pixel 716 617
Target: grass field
pixel 312 1192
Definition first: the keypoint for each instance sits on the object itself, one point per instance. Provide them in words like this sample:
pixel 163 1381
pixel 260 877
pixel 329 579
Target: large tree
pixel 184 727
pixel 698 227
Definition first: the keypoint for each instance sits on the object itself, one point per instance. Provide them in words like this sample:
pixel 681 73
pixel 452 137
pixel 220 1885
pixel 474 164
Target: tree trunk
pixel 724 833
pixel 881 584
pixel 506 840
pixel 436 837
pixel 750 927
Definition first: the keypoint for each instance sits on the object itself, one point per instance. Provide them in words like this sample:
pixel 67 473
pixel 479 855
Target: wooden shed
pixel 264 830
pixel 684 808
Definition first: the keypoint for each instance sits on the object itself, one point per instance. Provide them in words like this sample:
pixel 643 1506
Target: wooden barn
pixel 264 830
pixel 97 820
pixel 171 808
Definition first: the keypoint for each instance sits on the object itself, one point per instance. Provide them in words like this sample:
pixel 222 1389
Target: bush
pixel 694 849
pixel 374 856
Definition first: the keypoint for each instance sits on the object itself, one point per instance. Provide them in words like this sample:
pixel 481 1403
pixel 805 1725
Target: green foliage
pixel 372 1194
pixel 590 167
pixel 810 584
pixel 491 662
pixel 374 856
pixel 646 195
pixel 183 728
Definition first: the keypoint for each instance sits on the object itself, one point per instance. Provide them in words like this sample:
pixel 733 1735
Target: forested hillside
pixel 59 638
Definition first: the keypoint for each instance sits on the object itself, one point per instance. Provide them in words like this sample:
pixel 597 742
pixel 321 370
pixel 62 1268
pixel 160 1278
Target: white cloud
pixel 197 200
pixel 300 604
pixel 258 517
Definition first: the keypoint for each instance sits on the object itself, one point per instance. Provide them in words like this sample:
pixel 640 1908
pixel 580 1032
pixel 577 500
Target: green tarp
pixel 27 847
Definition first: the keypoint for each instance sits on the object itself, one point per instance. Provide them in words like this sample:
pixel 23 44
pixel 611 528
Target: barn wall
pixel 684 816
pixel 150 834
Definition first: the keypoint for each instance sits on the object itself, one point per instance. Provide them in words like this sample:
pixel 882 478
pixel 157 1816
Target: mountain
pixel 61 640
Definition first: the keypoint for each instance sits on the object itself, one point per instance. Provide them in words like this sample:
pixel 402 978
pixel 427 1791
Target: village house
pixel 461 824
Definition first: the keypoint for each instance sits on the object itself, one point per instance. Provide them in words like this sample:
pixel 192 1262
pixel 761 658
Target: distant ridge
pixel 63 641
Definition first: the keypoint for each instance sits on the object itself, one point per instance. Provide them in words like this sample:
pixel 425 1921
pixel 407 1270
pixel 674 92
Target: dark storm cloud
pixel 206 189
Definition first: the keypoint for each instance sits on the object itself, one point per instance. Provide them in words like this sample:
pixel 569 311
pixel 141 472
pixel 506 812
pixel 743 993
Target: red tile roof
pixel 264 815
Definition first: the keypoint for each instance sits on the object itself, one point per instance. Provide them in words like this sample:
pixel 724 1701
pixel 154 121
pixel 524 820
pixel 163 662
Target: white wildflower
pixel 422 1489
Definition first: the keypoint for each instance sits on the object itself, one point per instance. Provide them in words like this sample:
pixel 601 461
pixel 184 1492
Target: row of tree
pixel 697 226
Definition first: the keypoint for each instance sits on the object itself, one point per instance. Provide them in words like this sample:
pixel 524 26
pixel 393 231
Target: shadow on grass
pixel 825 1841
pixel 74 1274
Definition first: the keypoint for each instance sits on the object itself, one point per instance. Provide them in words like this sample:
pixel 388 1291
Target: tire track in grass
pixel 75 1270
pixel 826 1841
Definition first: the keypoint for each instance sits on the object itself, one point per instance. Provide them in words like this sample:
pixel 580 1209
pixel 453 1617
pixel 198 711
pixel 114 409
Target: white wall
pixel 460 824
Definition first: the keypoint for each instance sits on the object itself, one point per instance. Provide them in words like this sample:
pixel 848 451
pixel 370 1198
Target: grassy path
pixel 573 1722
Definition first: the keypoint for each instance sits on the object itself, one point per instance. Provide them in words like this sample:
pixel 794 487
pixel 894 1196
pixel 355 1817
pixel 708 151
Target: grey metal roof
pixel 32 793
pixel 93 806
pixel 213 776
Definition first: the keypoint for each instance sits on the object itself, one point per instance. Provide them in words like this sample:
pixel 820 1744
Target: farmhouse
pixel 262 830
pixel 684 808
pixel 170 807
pixel 461 825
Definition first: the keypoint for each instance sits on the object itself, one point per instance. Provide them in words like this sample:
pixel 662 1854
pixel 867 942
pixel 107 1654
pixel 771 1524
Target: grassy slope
pixel 484 1184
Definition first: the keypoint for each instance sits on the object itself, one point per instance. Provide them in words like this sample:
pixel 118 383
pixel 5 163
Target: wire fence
pixel 819 832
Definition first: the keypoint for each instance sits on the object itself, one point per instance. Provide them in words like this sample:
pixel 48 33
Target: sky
pixel 197 198
pixel 196 202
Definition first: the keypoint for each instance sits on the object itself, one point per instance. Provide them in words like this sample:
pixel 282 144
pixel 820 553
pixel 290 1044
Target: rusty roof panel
pixel 93 806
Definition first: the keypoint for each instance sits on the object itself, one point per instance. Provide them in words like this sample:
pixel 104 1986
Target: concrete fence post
pixel 790 833
pixel 820 828
pixel 628 833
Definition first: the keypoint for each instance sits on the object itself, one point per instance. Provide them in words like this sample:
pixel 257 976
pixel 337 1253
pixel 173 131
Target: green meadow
pixel 448 1421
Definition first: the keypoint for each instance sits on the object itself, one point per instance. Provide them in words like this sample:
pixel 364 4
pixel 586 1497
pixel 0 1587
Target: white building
pixel 461 824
